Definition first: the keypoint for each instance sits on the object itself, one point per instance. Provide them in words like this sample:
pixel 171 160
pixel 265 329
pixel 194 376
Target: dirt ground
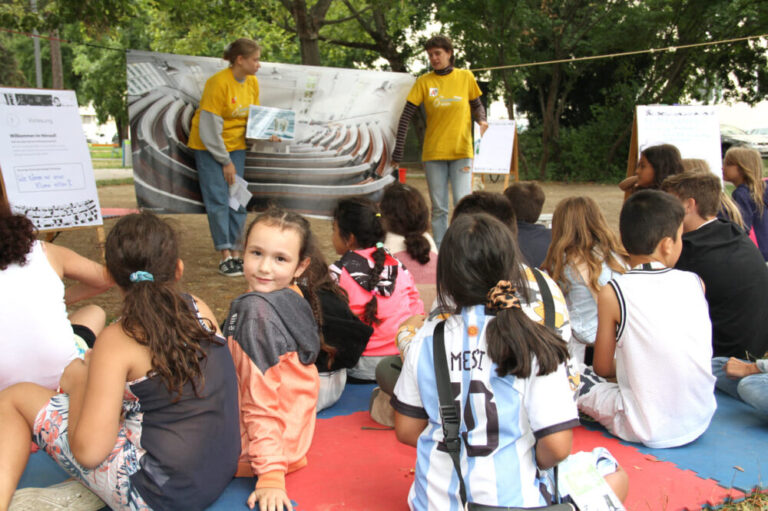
pixel 201 276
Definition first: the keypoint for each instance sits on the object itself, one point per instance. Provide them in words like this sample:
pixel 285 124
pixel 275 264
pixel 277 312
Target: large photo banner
pixel 344 132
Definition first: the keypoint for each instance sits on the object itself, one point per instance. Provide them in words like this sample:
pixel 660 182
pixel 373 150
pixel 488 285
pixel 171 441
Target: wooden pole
pixel 633 151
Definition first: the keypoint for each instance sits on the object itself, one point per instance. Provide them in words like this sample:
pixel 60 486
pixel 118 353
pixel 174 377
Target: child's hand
pixel 416 321
pixel 270 499
pixel 736 369
pixel 74 376
pixel 629 183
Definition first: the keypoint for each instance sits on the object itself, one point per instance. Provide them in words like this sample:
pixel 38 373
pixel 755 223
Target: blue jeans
pixel 439 173
pixel 752 389
pixel 225 223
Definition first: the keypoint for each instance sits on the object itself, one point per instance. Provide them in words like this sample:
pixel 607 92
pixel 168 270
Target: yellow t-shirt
pixel 229 99
pixel 446 100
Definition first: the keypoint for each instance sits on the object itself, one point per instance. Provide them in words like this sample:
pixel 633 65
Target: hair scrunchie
pixel 502 296
pixel 141 276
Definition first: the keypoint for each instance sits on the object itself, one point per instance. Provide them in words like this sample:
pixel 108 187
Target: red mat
pixel 361 469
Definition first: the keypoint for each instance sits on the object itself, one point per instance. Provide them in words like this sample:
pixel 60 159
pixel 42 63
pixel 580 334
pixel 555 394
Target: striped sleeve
pixel 402 130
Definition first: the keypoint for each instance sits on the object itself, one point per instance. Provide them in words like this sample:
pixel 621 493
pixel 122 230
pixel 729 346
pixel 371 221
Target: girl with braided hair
pixel 514 398
pixel 149 419
pixel 275 336
pixel 382 293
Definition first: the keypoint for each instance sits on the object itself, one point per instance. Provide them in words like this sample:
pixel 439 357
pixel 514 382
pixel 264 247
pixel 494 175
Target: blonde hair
pixel 581 233
pixel 750 167
pixel 727 206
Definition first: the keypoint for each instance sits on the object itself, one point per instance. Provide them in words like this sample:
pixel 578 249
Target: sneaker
pixel 230 268
pixel 239 261
pixel 380 409
pixel 70 495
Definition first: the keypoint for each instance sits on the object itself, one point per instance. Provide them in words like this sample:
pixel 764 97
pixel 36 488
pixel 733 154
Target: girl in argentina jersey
pixel 508 374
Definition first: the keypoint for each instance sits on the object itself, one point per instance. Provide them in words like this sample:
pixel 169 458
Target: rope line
pixel 477 69
pixel 621 54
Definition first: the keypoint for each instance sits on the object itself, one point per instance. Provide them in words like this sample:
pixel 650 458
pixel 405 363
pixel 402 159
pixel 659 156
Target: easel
pixel 633 152
pixel 51 234
pixel 513 165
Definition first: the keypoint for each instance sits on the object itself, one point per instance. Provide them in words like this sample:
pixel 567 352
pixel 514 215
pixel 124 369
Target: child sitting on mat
pixel 342 330
pixel 653 335
pixel 274 338
pixel 39 339
pixel 149 420
pixel 381 290
pixel 583 257
pixel 514 401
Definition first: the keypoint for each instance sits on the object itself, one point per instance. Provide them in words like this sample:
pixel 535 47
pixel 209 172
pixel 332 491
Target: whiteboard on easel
pixel 493 151
pixel 45 164
pixel 693 129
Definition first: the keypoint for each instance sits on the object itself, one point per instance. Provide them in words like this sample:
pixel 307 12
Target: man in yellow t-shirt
pixel 449 96
pixel 217 136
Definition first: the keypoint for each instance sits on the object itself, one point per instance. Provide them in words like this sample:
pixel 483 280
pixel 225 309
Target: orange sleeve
pixel 277 416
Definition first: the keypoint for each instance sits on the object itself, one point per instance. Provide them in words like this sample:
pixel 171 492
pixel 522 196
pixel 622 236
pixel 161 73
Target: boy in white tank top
pixel 654 336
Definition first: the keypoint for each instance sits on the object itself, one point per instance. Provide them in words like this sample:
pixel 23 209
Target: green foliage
pixel 10 74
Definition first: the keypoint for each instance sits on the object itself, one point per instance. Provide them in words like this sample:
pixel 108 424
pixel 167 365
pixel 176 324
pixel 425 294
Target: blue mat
pixel 42 471
pixel 736 437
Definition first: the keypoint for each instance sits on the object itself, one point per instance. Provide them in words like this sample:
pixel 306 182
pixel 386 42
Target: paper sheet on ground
pixel 580 479
pixel 265 121
pixel 239 194
pixel 493 151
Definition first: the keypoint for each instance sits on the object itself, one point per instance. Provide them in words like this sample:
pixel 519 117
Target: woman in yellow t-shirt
pixel 449 96
pixel 218 137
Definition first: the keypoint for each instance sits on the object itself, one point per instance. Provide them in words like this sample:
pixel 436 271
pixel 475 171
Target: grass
pixel 756 500
pixel 114 182
pixel 107 157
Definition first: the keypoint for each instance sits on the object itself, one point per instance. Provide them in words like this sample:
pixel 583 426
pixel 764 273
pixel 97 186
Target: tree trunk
pixel 57 73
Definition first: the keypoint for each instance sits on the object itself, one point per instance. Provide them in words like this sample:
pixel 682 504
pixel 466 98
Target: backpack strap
pixel 546 297
pixel 449 413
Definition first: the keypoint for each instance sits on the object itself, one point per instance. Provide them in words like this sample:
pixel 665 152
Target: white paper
pixel 694 130
pixel 265 121
pixel 579 478
pixel 239 194
pixel 44 159
pixel 493 152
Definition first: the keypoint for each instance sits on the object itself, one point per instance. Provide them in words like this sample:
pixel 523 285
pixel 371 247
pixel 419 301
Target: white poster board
pixel 493 151
pixel 44 159
pixel 694 130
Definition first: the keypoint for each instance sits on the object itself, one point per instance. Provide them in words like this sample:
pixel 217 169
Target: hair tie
pixel 379 245
pixel 378 215
pixel 502 296
pixel 141 276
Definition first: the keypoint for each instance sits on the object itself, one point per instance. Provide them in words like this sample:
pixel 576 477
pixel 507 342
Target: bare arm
pixel 408 429
pixel 96 396
pixel 554 448
pixel 608 317
pixel 92 278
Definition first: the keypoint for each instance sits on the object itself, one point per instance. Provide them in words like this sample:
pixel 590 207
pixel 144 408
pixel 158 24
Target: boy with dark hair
pixel 527 201
pixel 653 335
pixel 495 204
pixel 731 267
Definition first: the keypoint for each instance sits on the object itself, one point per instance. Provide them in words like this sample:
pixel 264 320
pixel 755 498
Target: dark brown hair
pixel 441 41
pixel 405 213
pixel 154 313
pixel 241 47
pixel 473 257
pixel 311 278
pixel 527 200
pixel 359 216
pixel 17 235
pixel 646 218
pixel 495 204
pixel 665 160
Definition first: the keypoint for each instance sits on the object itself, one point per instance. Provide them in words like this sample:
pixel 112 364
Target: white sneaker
pixel 70 495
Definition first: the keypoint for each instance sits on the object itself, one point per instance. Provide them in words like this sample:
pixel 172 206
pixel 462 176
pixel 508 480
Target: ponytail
pixel 417 247
pixel 372 307
pixel 142 257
